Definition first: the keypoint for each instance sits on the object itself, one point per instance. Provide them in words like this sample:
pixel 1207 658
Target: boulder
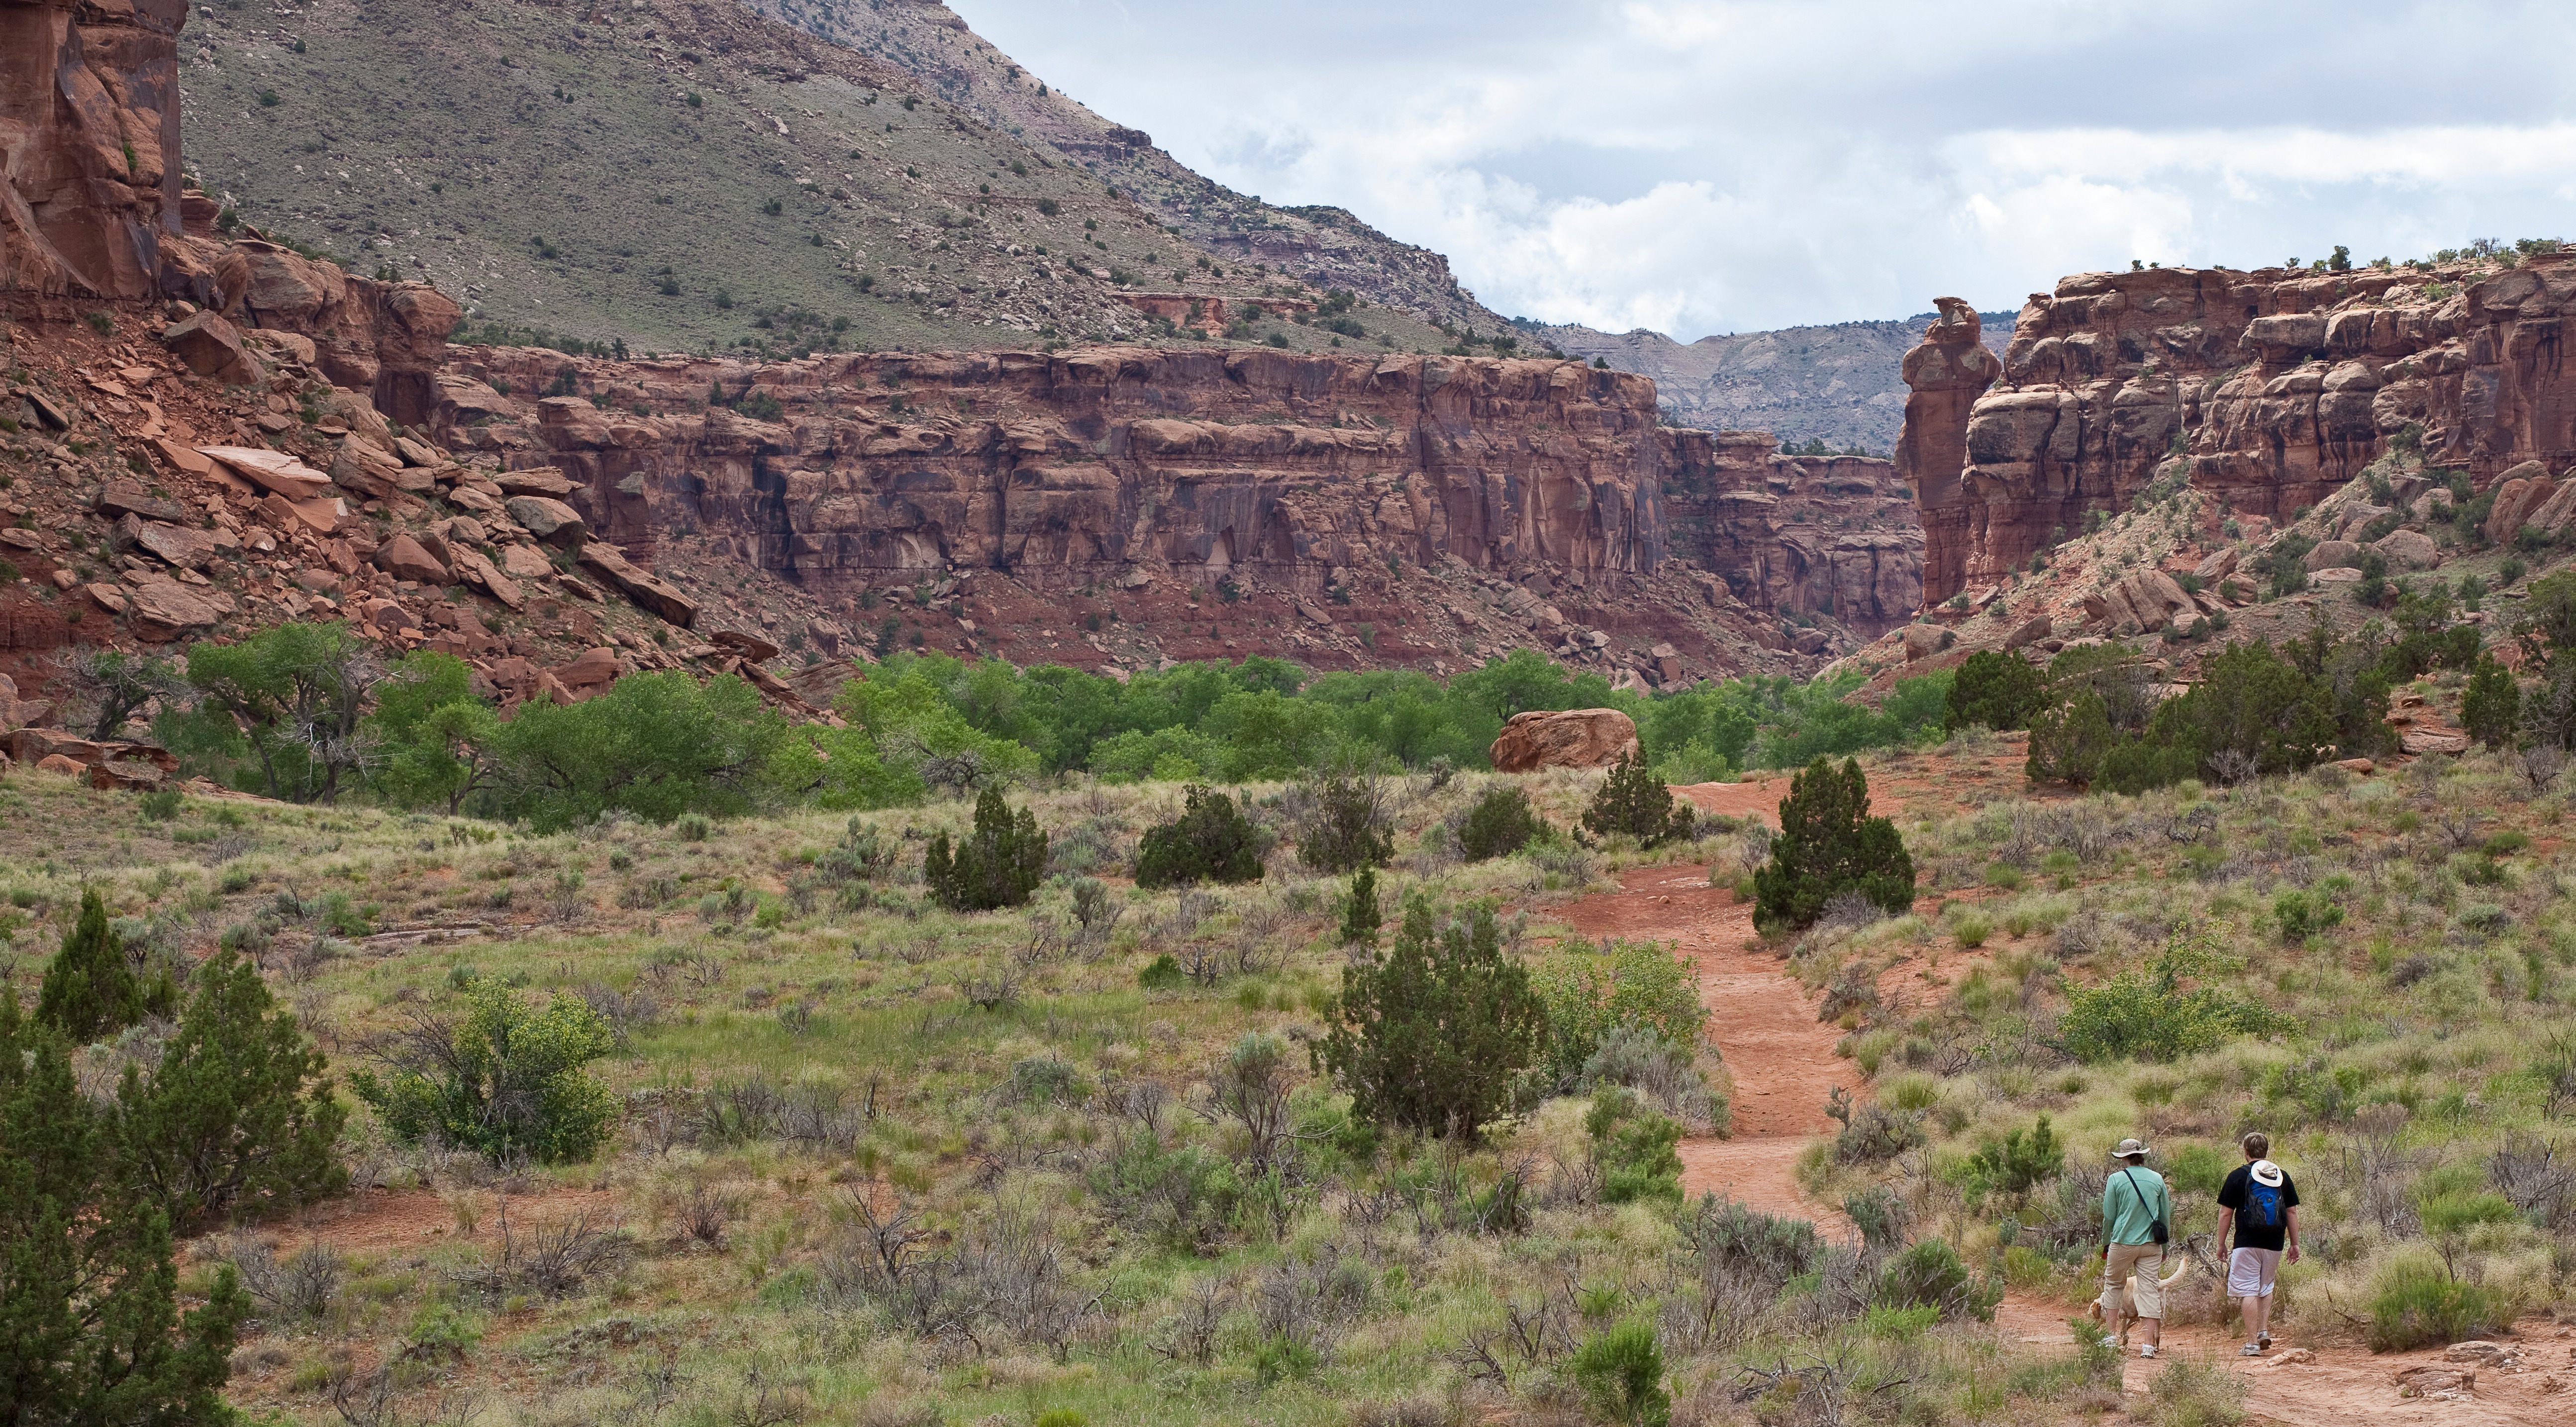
pixel 542 481
pixel 549 520
pixel 595 670
pixel 2518 492
pixel 2409 550
pixel 1922 641
pixel 405 559
pixel 273 471
pixel 212 348
pixel 163 609
pixel 415 453
pixel 2216 566
pixel 123 497
pixel 525 562
pixel 749 646
pixel 16 712
pixel 2331 553
pixel 2030 631
pixel 57 763
pixel 471 564
pixel 640 585
pixel 2553 514
pixel 1575 738
pixel 178 545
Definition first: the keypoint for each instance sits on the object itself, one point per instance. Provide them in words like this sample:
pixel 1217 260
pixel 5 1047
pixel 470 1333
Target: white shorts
pixel 2250 1272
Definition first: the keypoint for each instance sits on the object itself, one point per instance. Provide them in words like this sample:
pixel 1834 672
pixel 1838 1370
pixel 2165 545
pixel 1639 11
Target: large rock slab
pixel 641 586
pixel 273 471
pixel 163 609
pixel 551 521
pixel 1573 738
pixel 212 348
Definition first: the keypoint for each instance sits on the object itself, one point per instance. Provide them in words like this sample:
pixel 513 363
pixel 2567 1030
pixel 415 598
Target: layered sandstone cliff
pixel 89 144
pixel 1797 536
pixel 1075 469
pixel 2269 389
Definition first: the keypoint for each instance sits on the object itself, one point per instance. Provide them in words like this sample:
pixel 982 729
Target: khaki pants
pixel 2147 1261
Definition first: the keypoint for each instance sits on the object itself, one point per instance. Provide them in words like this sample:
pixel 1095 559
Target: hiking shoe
pixel 2250 1350
pixel 2110 1342
pixel 2147 1351
pixel 2263 1339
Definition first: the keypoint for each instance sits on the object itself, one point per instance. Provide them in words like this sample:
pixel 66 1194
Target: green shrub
pixel 2018 1163
pixel 89 990
pixel 1635 802
pixel 1621 1372
pixel 236 1118
pixel 692 827
pixel 2195 1391
pixel 1500 824
pixel 1993 689
pixel 1647 986
pixel 1000 865
pixel 1930 1275
pixel 160 805
pixel 1361 915
pixel 93 1330
pixel 2491 706
pixel 1634 1147
pixel 1163 973
pixel 1211 841
pixel 506 1079
pixel 1348 827
pixel 1829 844
pixel 1431 1034
pixel 2151 1017
pixel 2303 914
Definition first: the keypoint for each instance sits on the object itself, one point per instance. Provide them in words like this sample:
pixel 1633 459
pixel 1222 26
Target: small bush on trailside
pixel 1993 689
pixel 89 989
pixel 1501 823
pixel 1430 1034
pixel 1622 1373
pixel 2416 1304
pixel 506 1080
pixel 1635 802
pixel 1361 915
pixel 2153 1017
pixel 2019 1162
pixel 1211 841
pixel 1644 986
pixel 1930 1275
pixel 1634 1147
pixel 2492 704
pixel 999 865
pixel 1348 827
pixel 1829 844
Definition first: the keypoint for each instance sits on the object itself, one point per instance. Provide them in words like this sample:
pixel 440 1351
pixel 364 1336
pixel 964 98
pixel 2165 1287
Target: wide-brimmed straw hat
pixel 2127 1148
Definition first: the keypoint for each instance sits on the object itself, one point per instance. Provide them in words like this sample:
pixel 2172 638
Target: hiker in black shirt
pixel 2262 1204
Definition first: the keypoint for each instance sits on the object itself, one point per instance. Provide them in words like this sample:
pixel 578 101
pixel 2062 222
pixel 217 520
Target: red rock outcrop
pixel 89 144
pixel 1830 536
pixel 2269 389
pixel 1083 467
pixel 1945 376
pixel 1572 738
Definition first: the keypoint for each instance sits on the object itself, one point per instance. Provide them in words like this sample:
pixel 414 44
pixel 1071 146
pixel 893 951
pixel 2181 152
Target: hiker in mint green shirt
pixel 2136 1212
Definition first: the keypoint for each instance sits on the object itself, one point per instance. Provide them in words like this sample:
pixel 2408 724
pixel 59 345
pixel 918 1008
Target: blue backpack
pixel 2262 1204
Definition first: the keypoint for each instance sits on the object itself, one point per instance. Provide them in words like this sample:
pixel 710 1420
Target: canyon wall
pixel 1797 536
pixel 2268 388
pixel 89 144
pixel 1075 469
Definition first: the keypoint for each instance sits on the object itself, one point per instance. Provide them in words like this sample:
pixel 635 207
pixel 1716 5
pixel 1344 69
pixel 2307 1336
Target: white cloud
pixel 1724 165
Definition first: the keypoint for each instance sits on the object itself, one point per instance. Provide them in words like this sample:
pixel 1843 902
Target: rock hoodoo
pixel 1946 375
pixel 1573 738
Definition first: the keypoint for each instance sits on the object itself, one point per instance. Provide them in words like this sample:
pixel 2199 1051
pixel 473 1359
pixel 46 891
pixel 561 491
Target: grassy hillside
pixel 684 176
pixel 876 1162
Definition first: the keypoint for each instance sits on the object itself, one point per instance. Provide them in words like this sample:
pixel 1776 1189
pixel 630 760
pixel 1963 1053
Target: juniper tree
pixel 90 1330
pixel 1211 841
pixel 237 1113
pixel 1635 801
pixel 1829 844
pixel 1431 1034
pixel 89 990
pixel 1000 865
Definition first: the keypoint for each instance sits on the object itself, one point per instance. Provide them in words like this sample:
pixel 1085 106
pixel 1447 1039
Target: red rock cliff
pixel 89 143
pixel 1077 468
pixel 1834 536
pixel 2269 388
pixel 1946 375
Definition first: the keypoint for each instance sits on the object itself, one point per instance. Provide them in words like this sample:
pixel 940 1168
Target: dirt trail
pixel 1782 1059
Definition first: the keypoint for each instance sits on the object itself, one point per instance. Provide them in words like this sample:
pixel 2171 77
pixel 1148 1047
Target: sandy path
pixel 1782 1059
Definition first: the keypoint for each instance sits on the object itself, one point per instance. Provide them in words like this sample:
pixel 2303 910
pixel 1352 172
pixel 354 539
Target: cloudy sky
pixel 1695 166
